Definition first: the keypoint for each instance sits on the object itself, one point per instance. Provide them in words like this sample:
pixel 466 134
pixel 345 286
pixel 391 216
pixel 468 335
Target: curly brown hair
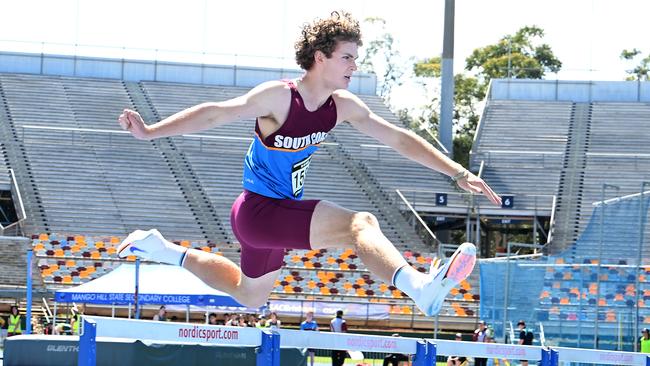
pixel 323 34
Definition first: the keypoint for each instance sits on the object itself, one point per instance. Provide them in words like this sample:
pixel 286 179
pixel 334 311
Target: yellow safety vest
pixel 645 345
pixel 75 327
pixel 14 324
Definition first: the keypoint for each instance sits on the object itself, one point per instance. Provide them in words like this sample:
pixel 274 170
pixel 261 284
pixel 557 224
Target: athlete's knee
pixel 363 221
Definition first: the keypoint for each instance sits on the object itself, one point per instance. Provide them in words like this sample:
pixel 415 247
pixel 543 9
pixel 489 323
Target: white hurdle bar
pixel 267 342
pixel 536 353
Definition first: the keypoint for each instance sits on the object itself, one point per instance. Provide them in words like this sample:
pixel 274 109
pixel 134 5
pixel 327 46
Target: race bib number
pixel 298 173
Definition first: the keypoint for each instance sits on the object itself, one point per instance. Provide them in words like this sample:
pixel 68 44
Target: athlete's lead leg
pixel 335 227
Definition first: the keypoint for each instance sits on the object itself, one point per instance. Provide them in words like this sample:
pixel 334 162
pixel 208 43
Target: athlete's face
pixel 339 68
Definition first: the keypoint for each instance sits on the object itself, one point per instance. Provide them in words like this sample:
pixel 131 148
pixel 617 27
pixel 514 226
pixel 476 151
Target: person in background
pixel 161 316
pixel 480 336
pixel 233 321
pixel 273 322
pixel 212 319
pixel 525 338
pixel 309 324
pixel 252 320
pixel 338 325
pixel 645 340
pixel 15 327
pixel 241 320
pixel 76 320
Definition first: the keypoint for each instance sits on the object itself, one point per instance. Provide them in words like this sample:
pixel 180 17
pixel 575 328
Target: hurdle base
pixel 40 350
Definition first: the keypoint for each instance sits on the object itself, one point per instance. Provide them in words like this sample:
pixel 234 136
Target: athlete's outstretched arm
pixel 258 102
pixel 408 144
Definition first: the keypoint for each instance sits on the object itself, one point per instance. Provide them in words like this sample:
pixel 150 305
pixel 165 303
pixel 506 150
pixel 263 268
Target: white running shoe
pixel 151 245
pixel 457 268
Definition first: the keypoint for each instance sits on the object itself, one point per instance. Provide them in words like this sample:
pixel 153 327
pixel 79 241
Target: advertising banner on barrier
pixel 176 332
pixel 320 309
pixel 158 284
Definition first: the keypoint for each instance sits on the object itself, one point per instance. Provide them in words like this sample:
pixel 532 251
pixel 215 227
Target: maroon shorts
pixel 266 227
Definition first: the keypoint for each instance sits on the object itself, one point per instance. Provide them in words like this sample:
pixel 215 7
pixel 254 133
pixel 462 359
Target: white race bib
pixel 298 173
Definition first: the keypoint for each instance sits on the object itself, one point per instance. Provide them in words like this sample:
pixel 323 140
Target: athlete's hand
pixel 474 184
pixel 132 121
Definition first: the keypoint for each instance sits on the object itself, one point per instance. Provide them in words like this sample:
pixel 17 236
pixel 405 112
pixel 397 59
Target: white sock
pixel 410 281
pixel 170 254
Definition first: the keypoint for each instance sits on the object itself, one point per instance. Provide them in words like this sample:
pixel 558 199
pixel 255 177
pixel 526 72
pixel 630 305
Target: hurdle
pixel 548 356
pixel 266 342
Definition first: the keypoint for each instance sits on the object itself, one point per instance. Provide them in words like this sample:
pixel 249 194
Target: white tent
pixel 158 284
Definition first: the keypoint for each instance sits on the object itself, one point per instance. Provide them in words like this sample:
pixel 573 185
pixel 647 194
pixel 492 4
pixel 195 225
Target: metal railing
pixel 545 158
pixel 15 228
pixel 418 218
pixel 421 200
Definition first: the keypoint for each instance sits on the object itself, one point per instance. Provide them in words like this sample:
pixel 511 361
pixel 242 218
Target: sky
pixel 586 35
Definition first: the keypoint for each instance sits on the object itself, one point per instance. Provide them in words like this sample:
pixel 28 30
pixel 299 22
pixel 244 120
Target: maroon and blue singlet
pixel 269 217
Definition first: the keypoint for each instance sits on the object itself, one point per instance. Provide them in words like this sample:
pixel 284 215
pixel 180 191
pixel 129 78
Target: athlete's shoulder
pixel 270 94
pixel 272 87
pixel 344 95
pixel 348 105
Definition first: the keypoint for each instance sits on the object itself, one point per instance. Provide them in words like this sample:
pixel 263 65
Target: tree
pixel 468 93
pixel 382 58
pixel 515 56
pixel 642 71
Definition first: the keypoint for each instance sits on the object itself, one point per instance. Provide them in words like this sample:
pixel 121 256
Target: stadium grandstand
pixel 77 185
